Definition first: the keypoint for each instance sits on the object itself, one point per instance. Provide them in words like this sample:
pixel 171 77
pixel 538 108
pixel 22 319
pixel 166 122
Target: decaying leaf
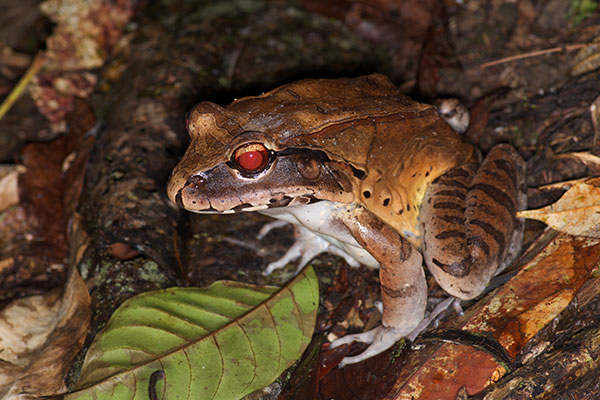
pixel 577 212
pixel 591 161
pixel 39 336
pixel 587 59
pixel 222 342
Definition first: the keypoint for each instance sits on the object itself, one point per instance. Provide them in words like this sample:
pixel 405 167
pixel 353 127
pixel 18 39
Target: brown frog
pixel 366 173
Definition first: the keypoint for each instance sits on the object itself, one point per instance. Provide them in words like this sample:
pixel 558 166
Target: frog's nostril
pixel 196 179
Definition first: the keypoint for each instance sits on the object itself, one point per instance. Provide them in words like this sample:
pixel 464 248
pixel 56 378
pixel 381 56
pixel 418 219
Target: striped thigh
pixel 468 221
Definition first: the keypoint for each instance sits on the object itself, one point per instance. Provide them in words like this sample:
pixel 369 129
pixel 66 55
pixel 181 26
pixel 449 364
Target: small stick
pixel 570 47
pixel 33 69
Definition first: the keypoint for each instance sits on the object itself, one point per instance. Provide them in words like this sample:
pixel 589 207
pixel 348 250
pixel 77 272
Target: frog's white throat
pixel 320 219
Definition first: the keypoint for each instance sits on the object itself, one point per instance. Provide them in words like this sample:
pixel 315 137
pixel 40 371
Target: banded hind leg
pixel 403 284
pixel 469 225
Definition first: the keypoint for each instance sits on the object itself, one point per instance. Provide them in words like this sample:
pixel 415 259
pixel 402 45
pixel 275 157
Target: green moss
pixel 581 9
pixel 150 271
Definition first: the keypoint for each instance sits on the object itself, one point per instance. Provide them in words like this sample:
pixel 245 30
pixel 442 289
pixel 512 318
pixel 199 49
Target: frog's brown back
pixel 335 115
pixel 317 113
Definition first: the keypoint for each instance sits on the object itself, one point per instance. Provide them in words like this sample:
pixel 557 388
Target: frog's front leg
pixel 469 225
pixel 403 284
pixel 306 246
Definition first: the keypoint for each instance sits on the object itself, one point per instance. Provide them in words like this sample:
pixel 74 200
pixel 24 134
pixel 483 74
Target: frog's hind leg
pixel 469 223
pixel 403 284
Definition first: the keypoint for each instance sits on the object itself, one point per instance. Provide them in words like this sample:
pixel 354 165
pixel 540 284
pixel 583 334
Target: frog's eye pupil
pixel 251 160
pixel 252 157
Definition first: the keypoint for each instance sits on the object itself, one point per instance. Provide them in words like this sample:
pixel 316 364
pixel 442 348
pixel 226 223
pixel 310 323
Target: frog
pixel 364 172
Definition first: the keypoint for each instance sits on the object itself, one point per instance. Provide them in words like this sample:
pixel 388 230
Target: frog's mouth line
pixel 279 203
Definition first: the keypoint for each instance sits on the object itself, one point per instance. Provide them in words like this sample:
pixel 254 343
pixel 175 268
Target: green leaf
pixel 221 342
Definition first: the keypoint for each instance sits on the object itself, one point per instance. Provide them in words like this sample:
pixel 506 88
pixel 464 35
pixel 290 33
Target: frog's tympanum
pixel 366 173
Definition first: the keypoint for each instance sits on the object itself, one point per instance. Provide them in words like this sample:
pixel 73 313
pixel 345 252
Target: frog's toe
pixel 306 246
pixel 364 337
pixel 268 227
pixel 291 255
pixel 380 339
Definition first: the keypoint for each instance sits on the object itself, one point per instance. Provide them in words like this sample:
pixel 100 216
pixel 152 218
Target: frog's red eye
pixel 251 157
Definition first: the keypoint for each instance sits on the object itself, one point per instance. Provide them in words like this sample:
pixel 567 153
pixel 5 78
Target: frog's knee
pixel 463 279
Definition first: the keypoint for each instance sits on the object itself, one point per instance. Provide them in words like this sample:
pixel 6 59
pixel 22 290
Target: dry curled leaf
pixel 577 212
pixel 39 336
pixel 587 59
pixel 591 161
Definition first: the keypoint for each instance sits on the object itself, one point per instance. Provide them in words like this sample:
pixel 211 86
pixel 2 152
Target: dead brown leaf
pixel 577 212
pixel 85 33
pixel 122 251
pixel 591 161
pixel 39 336
pixel 587 59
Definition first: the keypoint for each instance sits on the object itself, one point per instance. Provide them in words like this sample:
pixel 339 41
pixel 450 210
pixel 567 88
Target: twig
pixel 570 47
pixel 33 69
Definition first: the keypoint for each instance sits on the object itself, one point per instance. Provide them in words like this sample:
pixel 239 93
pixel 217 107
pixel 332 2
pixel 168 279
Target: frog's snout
pixel 190 195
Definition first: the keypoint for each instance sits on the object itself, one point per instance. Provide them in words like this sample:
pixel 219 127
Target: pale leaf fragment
pixel 577 212
pixel 8 185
